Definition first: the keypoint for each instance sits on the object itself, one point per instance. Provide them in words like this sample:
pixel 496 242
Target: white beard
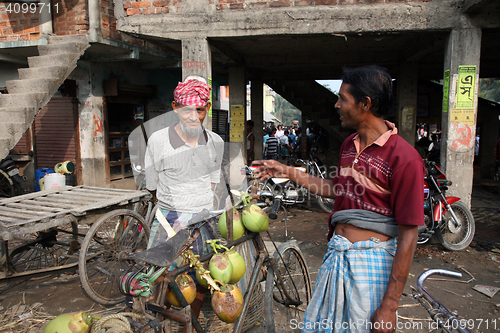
pixel 193 133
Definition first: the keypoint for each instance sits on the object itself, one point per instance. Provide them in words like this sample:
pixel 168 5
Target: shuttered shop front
pixel 55 133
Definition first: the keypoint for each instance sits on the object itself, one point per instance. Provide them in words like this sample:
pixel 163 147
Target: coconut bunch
pixel 252 217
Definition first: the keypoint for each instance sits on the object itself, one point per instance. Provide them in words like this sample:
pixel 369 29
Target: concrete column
pixel 197 60
pixel 237 100
pixel 457 144
pixel 407 101
pixel 46 27
pixel 94 20
pixel 257 110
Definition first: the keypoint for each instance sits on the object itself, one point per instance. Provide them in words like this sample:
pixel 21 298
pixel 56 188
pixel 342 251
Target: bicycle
pixel 287 283
pixel 111 238
pixel 446 319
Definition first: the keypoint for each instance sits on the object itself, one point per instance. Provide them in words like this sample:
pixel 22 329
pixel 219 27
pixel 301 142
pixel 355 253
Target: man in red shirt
pixel 378 208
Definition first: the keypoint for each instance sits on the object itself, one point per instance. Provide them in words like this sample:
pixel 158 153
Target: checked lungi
pixel 350 285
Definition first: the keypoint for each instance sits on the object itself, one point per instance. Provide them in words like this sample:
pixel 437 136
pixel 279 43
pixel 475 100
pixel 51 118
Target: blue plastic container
pixel 40 173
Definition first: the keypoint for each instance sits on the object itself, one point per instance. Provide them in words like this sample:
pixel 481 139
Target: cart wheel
pixel 280 314
pixel 6 185
pixel 103 257
pixel 46 249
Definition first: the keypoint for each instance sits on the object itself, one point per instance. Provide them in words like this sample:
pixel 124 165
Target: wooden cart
pixel 61 228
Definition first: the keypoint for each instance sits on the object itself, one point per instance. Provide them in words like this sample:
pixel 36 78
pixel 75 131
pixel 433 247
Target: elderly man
pixel 182 167
pixel 378 208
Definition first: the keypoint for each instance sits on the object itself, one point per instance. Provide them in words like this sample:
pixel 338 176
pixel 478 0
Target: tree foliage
pixel 285 111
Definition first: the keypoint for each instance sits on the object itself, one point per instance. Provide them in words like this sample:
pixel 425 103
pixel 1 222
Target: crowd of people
pixel 283 142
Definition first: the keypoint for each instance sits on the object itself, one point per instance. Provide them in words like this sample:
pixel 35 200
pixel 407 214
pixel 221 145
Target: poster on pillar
pixel 237 123
pixel 407 118
pixel 466 87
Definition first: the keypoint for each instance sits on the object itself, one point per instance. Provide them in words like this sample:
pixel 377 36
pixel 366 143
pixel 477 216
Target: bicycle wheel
pixel 281 315
pixel 6 185
pixel 103 257
pixel 46 249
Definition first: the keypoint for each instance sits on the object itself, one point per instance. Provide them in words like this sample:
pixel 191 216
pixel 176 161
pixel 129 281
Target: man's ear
pixel 366 103
pixel 174 106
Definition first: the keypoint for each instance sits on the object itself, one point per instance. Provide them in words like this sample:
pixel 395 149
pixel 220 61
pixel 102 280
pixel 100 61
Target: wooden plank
pixel 69 203
pixel 17 215
pixel 91 194
pixel 41 203
pixel 105 189
pixel 98 193
pixel 28 213
pixel 36 194
pixel 7 221
pixel 30 208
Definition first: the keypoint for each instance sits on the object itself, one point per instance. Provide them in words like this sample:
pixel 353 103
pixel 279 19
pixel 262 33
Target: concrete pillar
pixel 463 48
pixel 407 101
pixel 237 103
pixel 197 60
pixel 45 18
pixel 94 20
pixel 257 110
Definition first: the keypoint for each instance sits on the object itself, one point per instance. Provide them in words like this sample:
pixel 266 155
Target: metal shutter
pixel 55 133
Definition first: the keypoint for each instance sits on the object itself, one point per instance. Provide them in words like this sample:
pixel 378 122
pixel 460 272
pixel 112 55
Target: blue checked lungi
pixel 350 285
pixel 179 221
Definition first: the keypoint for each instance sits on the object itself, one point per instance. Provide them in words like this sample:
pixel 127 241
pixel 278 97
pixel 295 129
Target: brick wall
pixel 16 25
pixel 70 17
pixel 151 7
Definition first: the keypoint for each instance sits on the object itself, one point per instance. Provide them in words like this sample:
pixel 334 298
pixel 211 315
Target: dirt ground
pixel 479 264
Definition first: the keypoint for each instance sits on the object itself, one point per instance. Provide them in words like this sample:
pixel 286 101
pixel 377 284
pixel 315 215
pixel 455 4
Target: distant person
pixel 250 142
pixel 298 143
pixel 272 145
pixel 279 131
pixel 285 147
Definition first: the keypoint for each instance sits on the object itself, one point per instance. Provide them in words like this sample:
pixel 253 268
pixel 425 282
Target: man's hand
pixel 383 320
pixel 270 168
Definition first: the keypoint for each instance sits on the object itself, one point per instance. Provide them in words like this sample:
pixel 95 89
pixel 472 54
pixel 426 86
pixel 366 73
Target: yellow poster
pixel 464 116
pixel 465 86
pixel 237 123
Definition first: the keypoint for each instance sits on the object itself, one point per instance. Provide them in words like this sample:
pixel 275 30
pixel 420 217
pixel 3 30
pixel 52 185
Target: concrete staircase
pixel 36 86
pixel 316 103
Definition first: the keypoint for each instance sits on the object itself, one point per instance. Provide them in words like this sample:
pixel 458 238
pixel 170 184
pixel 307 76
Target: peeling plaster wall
pixel 89 77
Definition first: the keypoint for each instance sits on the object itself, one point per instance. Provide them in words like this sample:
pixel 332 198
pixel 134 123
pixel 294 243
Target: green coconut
pixel 228 303
pixel 239 265
pixel 238 227
pixel 70 323
pixel 221 268
pixel 254 218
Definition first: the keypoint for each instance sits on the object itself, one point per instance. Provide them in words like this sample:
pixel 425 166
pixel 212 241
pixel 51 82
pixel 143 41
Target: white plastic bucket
pixel 53 180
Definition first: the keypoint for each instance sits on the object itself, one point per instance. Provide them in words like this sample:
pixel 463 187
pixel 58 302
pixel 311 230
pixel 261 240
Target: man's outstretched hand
pixel 270 168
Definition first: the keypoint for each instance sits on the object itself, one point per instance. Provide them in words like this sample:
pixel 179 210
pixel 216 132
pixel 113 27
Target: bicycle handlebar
pixel 273 214
pixel 425 275
pixel 208 214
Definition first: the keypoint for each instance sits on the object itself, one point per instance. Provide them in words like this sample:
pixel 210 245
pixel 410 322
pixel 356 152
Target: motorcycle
pixel 448 219
pixel 10 180
pixel 290 192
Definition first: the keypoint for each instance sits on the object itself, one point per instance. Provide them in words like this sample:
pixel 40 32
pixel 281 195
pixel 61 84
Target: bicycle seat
pixel 165 253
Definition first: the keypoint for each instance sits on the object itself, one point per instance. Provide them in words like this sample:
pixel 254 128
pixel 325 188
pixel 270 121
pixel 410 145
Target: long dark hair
pixel 372 81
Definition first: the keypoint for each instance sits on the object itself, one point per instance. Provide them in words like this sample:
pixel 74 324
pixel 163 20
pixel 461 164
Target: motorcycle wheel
pixel 326 204
pixel 456 239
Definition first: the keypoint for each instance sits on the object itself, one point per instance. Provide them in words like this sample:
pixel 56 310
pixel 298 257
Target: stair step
pixel 61 48
pixel 11 128
pixel 17 114
pixel 31 85
pixel 21 100
pixel 4 146
pixel 53 60
pixel 55 72
pixel 53 39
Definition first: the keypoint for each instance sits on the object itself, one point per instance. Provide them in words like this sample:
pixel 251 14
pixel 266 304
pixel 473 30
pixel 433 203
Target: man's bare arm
pixel 385 315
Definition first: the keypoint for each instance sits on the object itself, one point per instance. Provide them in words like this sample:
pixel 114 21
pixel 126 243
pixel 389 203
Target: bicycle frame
pixel 444 317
